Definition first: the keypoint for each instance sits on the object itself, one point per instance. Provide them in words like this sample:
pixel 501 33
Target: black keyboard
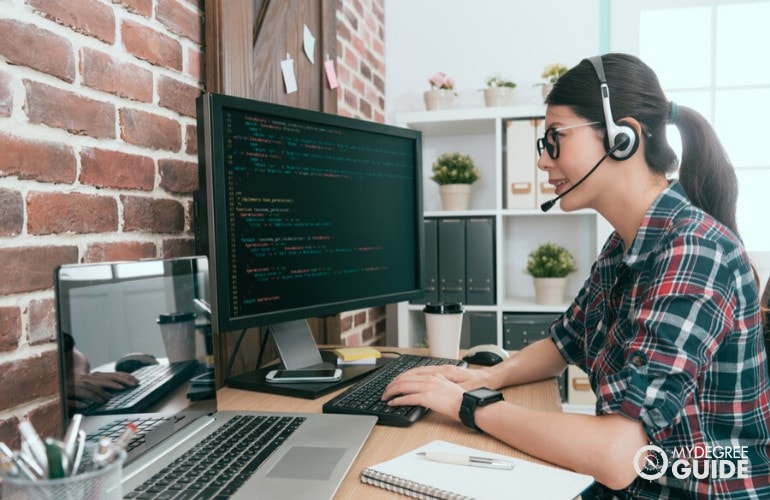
pixel 364 397
pixel 220 464
pixel 155 382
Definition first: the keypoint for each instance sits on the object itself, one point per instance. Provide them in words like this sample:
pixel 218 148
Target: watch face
pixel 484 393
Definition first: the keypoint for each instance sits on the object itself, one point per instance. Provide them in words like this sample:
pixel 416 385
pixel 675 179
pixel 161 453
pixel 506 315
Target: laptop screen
pixel 148 318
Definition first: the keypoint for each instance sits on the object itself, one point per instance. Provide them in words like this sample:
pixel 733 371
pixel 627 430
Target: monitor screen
pixel 303 213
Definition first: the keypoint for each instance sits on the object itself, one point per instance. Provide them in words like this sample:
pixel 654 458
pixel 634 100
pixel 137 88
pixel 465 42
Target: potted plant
pixel 499 91
pixel 454 173
pixel 551 74
pixel 549 265
pixel 441 94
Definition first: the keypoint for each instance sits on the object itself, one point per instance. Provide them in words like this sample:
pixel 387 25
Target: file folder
pixel 480 261
pixel 451 260
pixel 430 272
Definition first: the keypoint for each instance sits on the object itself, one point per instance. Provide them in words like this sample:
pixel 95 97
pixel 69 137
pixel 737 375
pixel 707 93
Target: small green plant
pixel 455 168
pixel 497 81
pixel 550 260
pixel 553 72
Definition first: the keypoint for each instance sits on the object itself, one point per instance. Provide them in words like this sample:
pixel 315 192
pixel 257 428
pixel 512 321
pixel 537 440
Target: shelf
pixel 483 134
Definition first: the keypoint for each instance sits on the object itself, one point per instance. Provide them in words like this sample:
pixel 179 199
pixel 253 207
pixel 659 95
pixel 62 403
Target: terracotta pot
pixel 438 99
pixel 455 196
pixel 549 291
pixel 498 96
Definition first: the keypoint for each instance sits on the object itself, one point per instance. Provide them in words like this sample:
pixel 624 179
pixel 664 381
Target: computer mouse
pixel 485 355
pixel 134 361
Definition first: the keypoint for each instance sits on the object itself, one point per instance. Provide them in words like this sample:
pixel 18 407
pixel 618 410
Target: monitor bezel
pixel 210 230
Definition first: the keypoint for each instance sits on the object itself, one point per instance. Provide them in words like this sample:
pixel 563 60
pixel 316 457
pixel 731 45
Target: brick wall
pixel 98 157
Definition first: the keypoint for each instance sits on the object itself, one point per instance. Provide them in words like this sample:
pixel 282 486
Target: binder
pixel 483 327
pixel 430 276
pixel 521 329
pixel 451 260
pixel 520 163
pixel 480 261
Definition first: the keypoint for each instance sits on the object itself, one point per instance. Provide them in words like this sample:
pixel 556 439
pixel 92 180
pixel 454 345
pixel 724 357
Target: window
pixel 711 55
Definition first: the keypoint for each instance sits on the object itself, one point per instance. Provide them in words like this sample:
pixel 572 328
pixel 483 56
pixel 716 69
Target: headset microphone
pixel 622 142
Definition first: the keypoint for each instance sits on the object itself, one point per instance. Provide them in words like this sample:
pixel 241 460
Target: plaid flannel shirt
pixel 670 335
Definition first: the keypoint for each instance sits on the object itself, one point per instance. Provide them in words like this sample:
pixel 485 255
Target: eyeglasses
pixel 550 140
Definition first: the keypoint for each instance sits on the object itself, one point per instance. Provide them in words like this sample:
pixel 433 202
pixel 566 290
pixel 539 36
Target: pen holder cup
pixel 94 484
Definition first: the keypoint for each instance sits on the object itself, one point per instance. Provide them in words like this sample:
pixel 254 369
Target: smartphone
pixel 288 376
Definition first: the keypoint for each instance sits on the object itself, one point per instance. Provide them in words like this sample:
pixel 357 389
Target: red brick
pixel 178 247
pixel 37 160
pixel 178 176
pixel 9 433
pixel 150 130
pixel 103 168
pixel 152 215
pixel 27 45
pixel 53 213
pixel 10 327
pixel 46 418
pixel 180 19
pixel 30 268
pixel 89 17
pixel 42 321
pixel 177 96
pixel 6 94
pixel 11 212
pixel 122 250
pixel 195 64
pixel 103 72
pixel 141 7
pixel 151 46
pixel 191 140
pixel 69 111
pixel 33 378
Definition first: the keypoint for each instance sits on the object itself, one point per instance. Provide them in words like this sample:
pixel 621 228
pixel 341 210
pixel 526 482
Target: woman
pixel 667 326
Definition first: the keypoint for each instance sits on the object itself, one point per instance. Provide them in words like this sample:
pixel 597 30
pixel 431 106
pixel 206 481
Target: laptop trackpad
pixel 306 462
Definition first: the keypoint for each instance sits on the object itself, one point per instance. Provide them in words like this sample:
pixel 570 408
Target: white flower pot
pixel 438 99
pixel 549 291
pixel 498 96
pixel 455 196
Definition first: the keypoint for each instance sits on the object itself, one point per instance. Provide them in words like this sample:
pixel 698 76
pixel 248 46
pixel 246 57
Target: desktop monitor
pixel 304 214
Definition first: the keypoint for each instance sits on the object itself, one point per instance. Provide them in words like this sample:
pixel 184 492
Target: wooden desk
pixel 387 442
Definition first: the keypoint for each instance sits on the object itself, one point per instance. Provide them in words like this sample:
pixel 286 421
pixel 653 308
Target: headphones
pixel 616 133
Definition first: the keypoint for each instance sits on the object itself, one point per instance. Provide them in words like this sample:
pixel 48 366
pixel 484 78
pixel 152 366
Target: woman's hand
pixel 438 388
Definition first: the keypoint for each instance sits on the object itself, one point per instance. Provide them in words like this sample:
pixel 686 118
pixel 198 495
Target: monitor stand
pixel 298 350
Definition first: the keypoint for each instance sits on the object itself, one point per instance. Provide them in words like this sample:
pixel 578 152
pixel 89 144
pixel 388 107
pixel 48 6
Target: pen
pixel 35 444
pixel 71 436
pixel 57 459
pixel 454 458
pixel 81 444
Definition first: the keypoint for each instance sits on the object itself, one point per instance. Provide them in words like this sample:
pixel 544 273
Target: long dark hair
pixel 705 171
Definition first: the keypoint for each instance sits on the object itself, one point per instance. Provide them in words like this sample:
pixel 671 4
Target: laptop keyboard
pixel 155 382
pixel 217 466
pixel 364 398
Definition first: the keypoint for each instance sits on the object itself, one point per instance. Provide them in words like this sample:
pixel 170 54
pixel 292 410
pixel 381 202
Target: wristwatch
pixel 472 400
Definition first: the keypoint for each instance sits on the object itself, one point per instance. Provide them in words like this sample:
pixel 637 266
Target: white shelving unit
pixel 480 133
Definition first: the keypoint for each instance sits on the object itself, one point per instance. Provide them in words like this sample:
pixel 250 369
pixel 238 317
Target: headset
pixel 615 132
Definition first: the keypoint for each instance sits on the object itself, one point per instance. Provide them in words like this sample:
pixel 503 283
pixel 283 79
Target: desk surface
pixel 386 442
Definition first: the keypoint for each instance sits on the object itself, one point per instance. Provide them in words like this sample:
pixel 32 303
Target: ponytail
pixel 705 171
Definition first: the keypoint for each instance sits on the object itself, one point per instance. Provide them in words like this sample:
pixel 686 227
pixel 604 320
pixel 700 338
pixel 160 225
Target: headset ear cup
pixel 621 132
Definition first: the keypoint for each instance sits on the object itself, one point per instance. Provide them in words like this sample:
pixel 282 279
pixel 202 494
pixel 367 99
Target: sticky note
pixel 289 80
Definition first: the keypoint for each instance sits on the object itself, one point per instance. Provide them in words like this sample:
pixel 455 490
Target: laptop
pixel 111 319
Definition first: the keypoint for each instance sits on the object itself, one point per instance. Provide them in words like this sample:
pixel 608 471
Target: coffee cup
pixel 178 332
pixel 444 323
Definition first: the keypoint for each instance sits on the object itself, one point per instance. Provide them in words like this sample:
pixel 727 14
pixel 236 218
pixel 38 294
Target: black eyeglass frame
pixel 553 148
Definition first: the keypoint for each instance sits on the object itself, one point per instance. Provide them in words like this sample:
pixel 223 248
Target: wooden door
pixel 246 40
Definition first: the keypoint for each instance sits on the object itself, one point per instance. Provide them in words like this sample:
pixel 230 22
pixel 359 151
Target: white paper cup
pixel 178 332
pixel 444 324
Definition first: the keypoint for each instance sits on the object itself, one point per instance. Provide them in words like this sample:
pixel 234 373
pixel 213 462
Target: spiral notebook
pixel 417 477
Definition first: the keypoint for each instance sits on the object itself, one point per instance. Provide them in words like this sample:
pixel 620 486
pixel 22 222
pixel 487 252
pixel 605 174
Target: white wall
pixel 471 40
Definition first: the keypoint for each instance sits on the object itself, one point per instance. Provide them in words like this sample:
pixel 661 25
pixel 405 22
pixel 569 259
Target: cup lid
pixel 444 308
pixel 177 317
